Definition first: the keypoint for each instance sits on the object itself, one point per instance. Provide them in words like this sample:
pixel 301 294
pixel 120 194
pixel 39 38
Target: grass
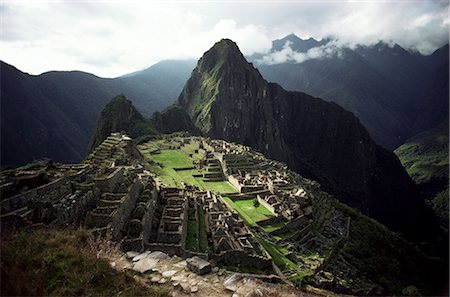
pixel 63 263
pixel 273 227
pixel 221 187
pixel 247 211
pixel 202 240
pixel 192 242
pixel 426 155
pixel 257 214
pixel 244 216
pixel 278 254
pixel 172 158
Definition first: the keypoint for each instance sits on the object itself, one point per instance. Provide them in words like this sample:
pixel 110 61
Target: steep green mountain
pixel 227 98
pixel 426 158
pixel 120 115
pixel 53 114
pixel 395 93
pixel 117 116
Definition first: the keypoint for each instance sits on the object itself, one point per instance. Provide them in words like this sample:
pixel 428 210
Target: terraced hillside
pixel 310 236
pixel 189 196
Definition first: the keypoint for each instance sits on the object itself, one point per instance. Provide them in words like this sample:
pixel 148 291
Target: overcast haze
pixel 112 38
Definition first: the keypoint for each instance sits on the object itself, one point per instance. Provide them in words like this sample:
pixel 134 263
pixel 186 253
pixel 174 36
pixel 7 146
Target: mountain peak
pixel 296 43
pixel 117 116
pixel 224 52
pixel 221 65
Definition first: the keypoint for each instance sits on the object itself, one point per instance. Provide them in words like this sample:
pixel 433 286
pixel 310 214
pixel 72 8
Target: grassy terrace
pixel 196 239
pixel 250 214
pixel 191 237
pixel 278 254
pixel 171 159
pixel 244 216
pixel 259 213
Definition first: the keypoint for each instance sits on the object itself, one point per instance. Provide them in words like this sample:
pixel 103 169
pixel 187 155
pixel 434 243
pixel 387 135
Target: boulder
pixel 158 255
pixel 231 282
pixel 131 254
pixel 198 265
pixel 145 264
pixel 140 256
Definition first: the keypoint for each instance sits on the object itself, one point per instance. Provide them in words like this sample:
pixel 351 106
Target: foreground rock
pixel 198 265
pixel 145 264
pixel 232 282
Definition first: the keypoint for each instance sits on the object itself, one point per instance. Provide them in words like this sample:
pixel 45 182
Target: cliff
pixel 227 98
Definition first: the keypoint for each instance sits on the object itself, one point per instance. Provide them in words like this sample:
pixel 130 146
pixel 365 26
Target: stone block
pixel 198 265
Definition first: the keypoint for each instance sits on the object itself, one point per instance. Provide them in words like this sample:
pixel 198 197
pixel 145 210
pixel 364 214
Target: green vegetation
pixel 63 263
pixel 385 258
pixel 120 115
pixel 196 239
pixel 257 214
pixel 440 205
pixel 426 155
pixel 192 243
pixel 247 211
pixel 278 254
pixel 273 227
pixel 302 278
pixel 171 159
pixel 244 216
pixel 221 187
pixel 202 240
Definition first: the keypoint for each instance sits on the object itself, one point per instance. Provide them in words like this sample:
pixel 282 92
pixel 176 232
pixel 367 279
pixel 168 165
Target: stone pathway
pixel 158 268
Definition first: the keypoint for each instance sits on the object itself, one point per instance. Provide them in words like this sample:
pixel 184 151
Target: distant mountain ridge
pixel 395 93
pixel 53 114
pixel 227 98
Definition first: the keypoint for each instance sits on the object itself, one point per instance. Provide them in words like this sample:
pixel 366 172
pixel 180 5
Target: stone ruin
pixel 112 193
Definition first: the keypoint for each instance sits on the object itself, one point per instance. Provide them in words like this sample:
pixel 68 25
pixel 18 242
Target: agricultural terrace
pixel 175 166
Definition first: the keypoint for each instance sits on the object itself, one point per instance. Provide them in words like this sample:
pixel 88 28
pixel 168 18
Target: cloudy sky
pixel 111 38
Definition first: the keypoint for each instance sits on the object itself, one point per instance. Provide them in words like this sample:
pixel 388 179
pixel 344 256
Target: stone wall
pixel 126 207
pixel 108 183
pixel 242 258
pixel 234 182
pixel 294 224
pixel 43 193
pixel 266 205
pixel 270 221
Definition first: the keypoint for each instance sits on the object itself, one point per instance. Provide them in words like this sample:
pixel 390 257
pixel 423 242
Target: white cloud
pixel 110 38
pixel 287 54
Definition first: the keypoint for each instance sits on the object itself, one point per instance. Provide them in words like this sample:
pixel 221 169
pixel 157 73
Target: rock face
pixel 198 265
pixel 227 98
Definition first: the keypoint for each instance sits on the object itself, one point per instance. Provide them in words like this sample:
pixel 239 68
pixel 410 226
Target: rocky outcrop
pixel 227 98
